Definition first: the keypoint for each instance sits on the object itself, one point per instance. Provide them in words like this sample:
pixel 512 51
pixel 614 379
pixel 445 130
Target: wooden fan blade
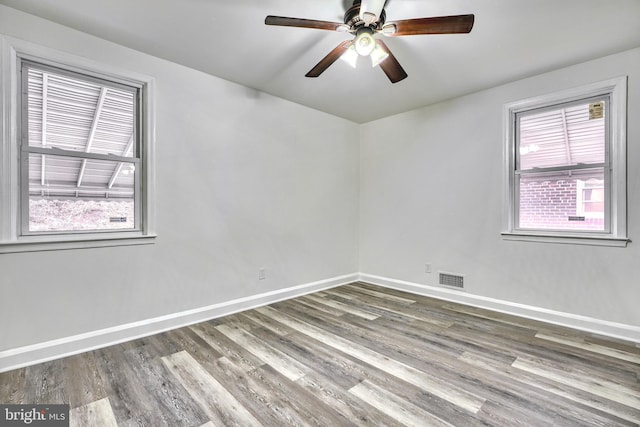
pixel 456 24
pixel 304 23
pixel 329 59
pixel 391 66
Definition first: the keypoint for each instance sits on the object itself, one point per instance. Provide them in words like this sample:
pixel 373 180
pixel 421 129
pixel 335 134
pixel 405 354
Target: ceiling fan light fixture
pixel 364 42
pixel 350 56
pixel 378 55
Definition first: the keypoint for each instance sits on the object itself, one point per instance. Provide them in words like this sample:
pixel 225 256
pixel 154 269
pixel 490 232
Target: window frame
pixel 26 149
pixel 520 173
pixel 615 178
pixel 12 237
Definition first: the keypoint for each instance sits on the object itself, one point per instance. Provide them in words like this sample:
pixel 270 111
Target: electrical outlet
pixel 427 268
pixel 262 274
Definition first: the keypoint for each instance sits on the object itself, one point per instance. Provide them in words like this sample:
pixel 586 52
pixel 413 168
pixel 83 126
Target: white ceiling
pixel 511 39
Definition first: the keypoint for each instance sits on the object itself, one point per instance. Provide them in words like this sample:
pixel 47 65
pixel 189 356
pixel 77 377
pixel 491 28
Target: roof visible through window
pixel 80 116
pixel 562 137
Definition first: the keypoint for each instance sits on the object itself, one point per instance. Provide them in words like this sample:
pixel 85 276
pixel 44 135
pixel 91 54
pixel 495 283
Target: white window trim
pixel 616 88
pixel 10 239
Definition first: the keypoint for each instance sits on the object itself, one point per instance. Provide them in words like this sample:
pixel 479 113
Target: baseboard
pixel 583 323
pixel 68 346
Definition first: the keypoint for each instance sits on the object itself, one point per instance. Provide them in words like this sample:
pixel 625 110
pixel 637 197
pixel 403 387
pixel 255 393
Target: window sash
pixel 517 173
pixel 554 169
pixel 53 151
pixel 553 107
pixel 519 227
pixel 26 149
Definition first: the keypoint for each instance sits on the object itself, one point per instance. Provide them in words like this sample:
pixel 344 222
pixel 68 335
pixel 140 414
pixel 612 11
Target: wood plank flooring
pixel 353 355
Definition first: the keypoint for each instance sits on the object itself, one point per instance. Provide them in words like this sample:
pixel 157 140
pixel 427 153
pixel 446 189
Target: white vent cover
pixel 450 279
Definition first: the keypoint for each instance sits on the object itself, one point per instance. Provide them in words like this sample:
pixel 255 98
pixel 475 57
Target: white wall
pixel 431 192
pixel 244 180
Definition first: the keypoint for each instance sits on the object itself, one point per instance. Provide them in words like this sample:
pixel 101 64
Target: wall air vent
pixel 450 279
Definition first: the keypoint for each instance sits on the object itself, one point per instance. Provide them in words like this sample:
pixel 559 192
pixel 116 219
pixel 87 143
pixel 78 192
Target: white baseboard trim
pixel 68 346
pixel 583 323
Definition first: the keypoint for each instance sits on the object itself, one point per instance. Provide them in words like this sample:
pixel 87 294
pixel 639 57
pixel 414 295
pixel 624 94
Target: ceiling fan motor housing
pixel 354 22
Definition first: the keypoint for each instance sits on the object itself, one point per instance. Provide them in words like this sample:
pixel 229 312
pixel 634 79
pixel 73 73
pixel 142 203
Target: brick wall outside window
pixel 548 202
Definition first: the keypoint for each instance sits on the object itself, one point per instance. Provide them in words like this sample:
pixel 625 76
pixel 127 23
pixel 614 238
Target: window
pixel 80 149
pixel 77 155
pixel 565 159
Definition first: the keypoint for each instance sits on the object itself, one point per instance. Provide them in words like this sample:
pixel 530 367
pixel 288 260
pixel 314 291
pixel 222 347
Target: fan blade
pixel 456 24
pixel 329 59
pixel 305 23
pixel 391 66
pixel 370 10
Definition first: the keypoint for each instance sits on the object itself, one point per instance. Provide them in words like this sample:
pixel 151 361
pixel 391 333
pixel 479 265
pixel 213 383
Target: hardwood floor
pixel 353 355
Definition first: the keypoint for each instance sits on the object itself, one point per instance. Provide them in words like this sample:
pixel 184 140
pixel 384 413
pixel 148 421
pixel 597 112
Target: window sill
pixel 51 243
pixel 619 242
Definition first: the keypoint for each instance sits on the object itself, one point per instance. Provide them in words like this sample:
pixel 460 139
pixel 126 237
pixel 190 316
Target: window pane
pixel 563 201
pixel 565 136
pixel 71 194
pixel 79 114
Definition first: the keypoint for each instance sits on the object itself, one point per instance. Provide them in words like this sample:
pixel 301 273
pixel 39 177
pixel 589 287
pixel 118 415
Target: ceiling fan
pixel 365 19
